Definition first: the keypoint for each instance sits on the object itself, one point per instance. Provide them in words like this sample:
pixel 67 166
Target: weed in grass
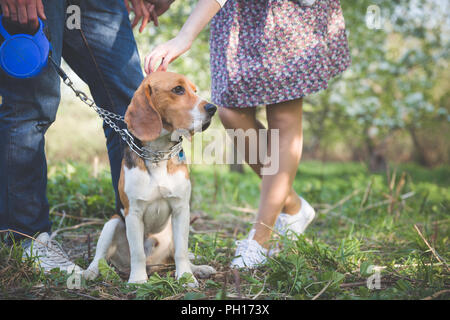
pixel 158 287
pixel 16 270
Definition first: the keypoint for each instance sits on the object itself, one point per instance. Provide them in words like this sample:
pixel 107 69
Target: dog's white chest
pixel 155 184
pixel 167 186
pixel 152 193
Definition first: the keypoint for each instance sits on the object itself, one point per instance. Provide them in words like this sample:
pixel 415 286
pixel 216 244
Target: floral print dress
pixel 269 51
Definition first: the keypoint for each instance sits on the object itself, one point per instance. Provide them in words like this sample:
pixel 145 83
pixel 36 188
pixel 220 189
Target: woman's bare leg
pixel 245 118
pixel 287 118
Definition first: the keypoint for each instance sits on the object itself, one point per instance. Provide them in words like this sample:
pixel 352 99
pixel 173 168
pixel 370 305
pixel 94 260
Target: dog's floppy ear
pixel 142 119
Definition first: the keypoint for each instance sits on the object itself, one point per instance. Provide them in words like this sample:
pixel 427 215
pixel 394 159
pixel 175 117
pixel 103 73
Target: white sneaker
pixel 49 254
pixel 249 253
pixel 292 225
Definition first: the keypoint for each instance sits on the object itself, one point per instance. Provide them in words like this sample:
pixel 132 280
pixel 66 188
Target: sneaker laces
pixel 294 225
pixel 250 250
pixel 50 254
pixel 282 223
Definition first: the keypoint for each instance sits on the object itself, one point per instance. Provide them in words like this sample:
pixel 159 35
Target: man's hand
pixel 25 12
pixel 142 10
pixel 161 6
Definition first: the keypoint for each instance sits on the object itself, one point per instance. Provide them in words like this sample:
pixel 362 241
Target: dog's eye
pixel 179 90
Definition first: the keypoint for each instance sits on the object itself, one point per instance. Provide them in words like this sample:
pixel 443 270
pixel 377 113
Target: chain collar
pixel 152 155
pixel 157 156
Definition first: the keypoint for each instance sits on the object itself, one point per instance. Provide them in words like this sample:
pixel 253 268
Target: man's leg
pixel 27 109
pixel 116 72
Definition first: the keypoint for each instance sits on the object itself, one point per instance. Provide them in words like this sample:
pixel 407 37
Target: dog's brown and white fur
pixel 155 196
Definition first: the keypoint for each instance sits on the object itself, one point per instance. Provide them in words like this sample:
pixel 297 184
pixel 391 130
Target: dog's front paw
pixel 90 273
pixel 204 271
pixel 193 283
pixel 137 280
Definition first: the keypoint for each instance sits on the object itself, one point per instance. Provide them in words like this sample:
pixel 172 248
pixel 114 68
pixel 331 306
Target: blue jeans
pixel 29 106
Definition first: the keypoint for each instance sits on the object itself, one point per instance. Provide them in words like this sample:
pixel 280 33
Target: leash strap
pixel 58 69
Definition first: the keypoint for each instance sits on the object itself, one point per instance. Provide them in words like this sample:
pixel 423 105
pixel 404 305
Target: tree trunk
pixel 237 168
pixel 377 160
pixel 420 151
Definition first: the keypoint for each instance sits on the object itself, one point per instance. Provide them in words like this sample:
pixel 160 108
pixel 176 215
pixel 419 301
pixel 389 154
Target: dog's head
pixel 166 102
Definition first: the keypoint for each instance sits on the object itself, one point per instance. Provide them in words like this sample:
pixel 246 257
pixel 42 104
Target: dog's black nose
pixel 210 109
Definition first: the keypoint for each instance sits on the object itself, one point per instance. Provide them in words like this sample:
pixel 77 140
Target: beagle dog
pixel 155 192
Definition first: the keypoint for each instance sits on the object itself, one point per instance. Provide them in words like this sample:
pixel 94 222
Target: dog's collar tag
pixel 181 156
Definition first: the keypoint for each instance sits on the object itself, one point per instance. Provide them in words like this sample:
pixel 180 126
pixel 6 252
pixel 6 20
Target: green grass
pixel 363 220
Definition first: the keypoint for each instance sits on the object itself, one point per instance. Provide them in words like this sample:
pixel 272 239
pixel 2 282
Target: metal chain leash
pixel 108 117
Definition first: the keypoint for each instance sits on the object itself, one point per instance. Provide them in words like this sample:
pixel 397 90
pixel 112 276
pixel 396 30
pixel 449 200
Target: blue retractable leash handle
pixel 24 55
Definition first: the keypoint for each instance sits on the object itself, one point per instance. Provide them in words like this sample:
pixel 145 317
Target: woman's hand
pixel 162 55
pixel 25 12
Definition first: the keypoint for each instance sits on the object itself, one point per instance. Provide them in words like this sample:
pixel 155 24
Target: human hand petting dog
pixel 162 55
pixel 24 12
pixel 166 53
